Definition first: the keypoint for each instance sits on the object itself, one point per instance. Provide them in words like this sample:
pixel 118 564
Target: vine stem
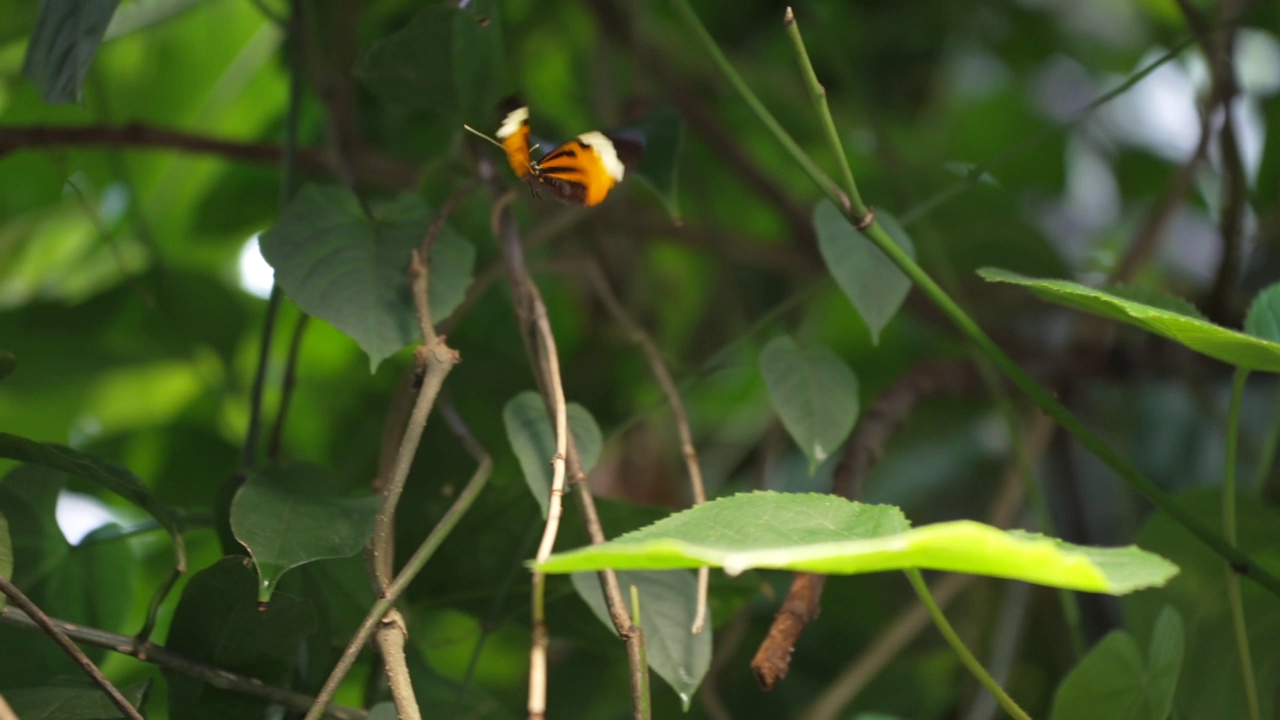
pixel 958 646
pixel 969 328
pixel 1229 527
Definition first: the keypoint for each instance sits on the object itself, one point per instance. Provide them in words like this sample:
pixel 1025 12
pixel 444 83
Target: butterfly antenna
pixel 480 134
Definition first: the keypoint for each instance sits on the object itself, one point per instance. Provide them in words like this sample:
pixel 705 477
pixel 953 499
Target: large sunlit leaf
pixel 352 271
pixel 532 438
pixel 218 622
pixel 815 394
pixel 295 514
pixel 667 606
pixel 104 474
pixel 1114 681
pixel 833 536
pixel 1230 346
pixel 62 47
pixel 78 702
pixel 874 285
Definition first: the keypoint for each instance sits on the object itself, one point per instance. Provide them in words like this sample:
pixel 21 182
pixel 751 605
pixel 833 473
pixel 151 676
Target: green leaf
pixel 218 621
pixel 1113 680
pixel 667 604
pixel 71 702
pixel 1263 320
pixel 662 134
pixel 295 514
pixel 104 474
pixel 532 438
pixel 874 285
pixel 1229 346
pixel 28 499
pixel 1157 298
pixel 1210 684
pixel 7 364
pixel 353 272
pixel 833 536
pixel 445 61
pixel 63 44
pixel 815 394
pixel 6 555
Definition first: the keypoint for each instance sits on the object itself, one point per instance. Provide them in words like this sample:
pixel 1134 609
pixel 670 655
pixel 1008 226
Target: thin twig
pixel 170 660
pixel 540 347
pixel 434 359
pixel 51 629
pixel 662 374
pixel 287 386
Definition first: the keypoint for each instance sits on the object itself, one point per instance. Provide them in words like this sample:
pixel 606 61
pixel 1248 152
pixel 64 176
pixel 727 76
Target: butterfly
pixel 580 172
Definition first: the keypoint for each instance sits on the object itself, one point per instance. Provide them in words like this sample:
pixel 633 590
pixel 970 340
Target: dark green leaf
pixel 63 44
pixel 667 603
pixel 71 703
pixel 218 621
pixel 1210 684
pixel 104 474
pixel 1113 680
pixel 874 285
pixel 94 584
pixel 353 272
pixel 815 394
pixel 28 498
pixel 294 514
pixel 1263 320
pixel 446 61
pixel 1229 346
pixel 663 136
pixel 533 439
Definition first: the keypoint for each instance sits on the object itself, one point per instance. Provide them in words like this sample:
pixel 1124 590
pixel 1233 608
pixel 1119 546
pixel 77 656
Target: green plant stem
pixel 819 95
pixel 1229 528
pixel 957 645
pixel 801 158
pixel 970 329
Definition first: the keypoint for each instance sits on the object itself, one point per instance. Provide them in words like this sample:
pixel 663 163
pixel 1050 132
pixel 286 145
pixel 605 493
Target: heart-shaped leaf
pixel 667 605
pixel 447 60
pixel 353 272
pixel 1113 680
pixel 833 536
pixel 533 439
pixel 1230 346
pixel 219 623
pixel 294 514
pixel 815 394
pixel 874 285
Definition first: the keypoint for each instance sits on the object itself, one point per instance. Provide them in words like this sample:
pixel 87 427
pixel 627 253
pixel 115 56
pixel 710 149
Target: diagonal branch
pixel 168 659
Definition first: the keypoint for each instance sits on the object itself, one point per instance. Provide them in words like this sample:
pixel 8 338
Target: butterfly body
pixel 580 172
